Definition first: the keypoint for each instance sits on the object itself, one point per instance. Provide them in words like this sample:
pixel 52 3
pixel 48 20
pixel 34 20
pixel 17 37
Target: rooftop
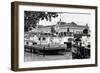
pixel 62 24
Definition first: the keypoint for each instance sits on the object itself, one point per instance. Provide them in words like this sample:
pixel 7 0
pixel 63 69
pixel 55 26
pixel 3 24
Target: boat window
pixel 39 39
pixel 44 38
pixel 27 43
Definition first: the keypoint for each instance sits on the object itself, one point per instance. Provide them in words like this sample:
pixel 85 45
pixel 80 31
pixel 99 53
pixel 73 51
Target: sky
pixel 79 18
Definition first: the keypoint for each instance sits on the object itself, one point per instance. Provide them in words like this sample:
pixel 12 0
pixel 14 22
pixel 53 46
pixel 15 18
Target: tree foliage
pixel 85 31
pixel 31 18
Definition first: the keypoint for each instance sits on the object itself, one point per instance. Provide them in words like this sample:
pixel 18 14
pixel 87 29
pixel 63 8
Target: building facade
pixel 55 34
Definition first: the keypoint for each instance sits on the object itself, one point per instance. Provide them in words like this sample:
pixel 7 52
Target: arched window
pixel 68 30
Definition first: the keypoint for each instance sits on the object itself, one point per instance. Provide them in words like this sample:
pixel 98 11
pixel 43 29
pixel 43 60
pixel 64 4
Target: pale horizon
pixel 79 19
